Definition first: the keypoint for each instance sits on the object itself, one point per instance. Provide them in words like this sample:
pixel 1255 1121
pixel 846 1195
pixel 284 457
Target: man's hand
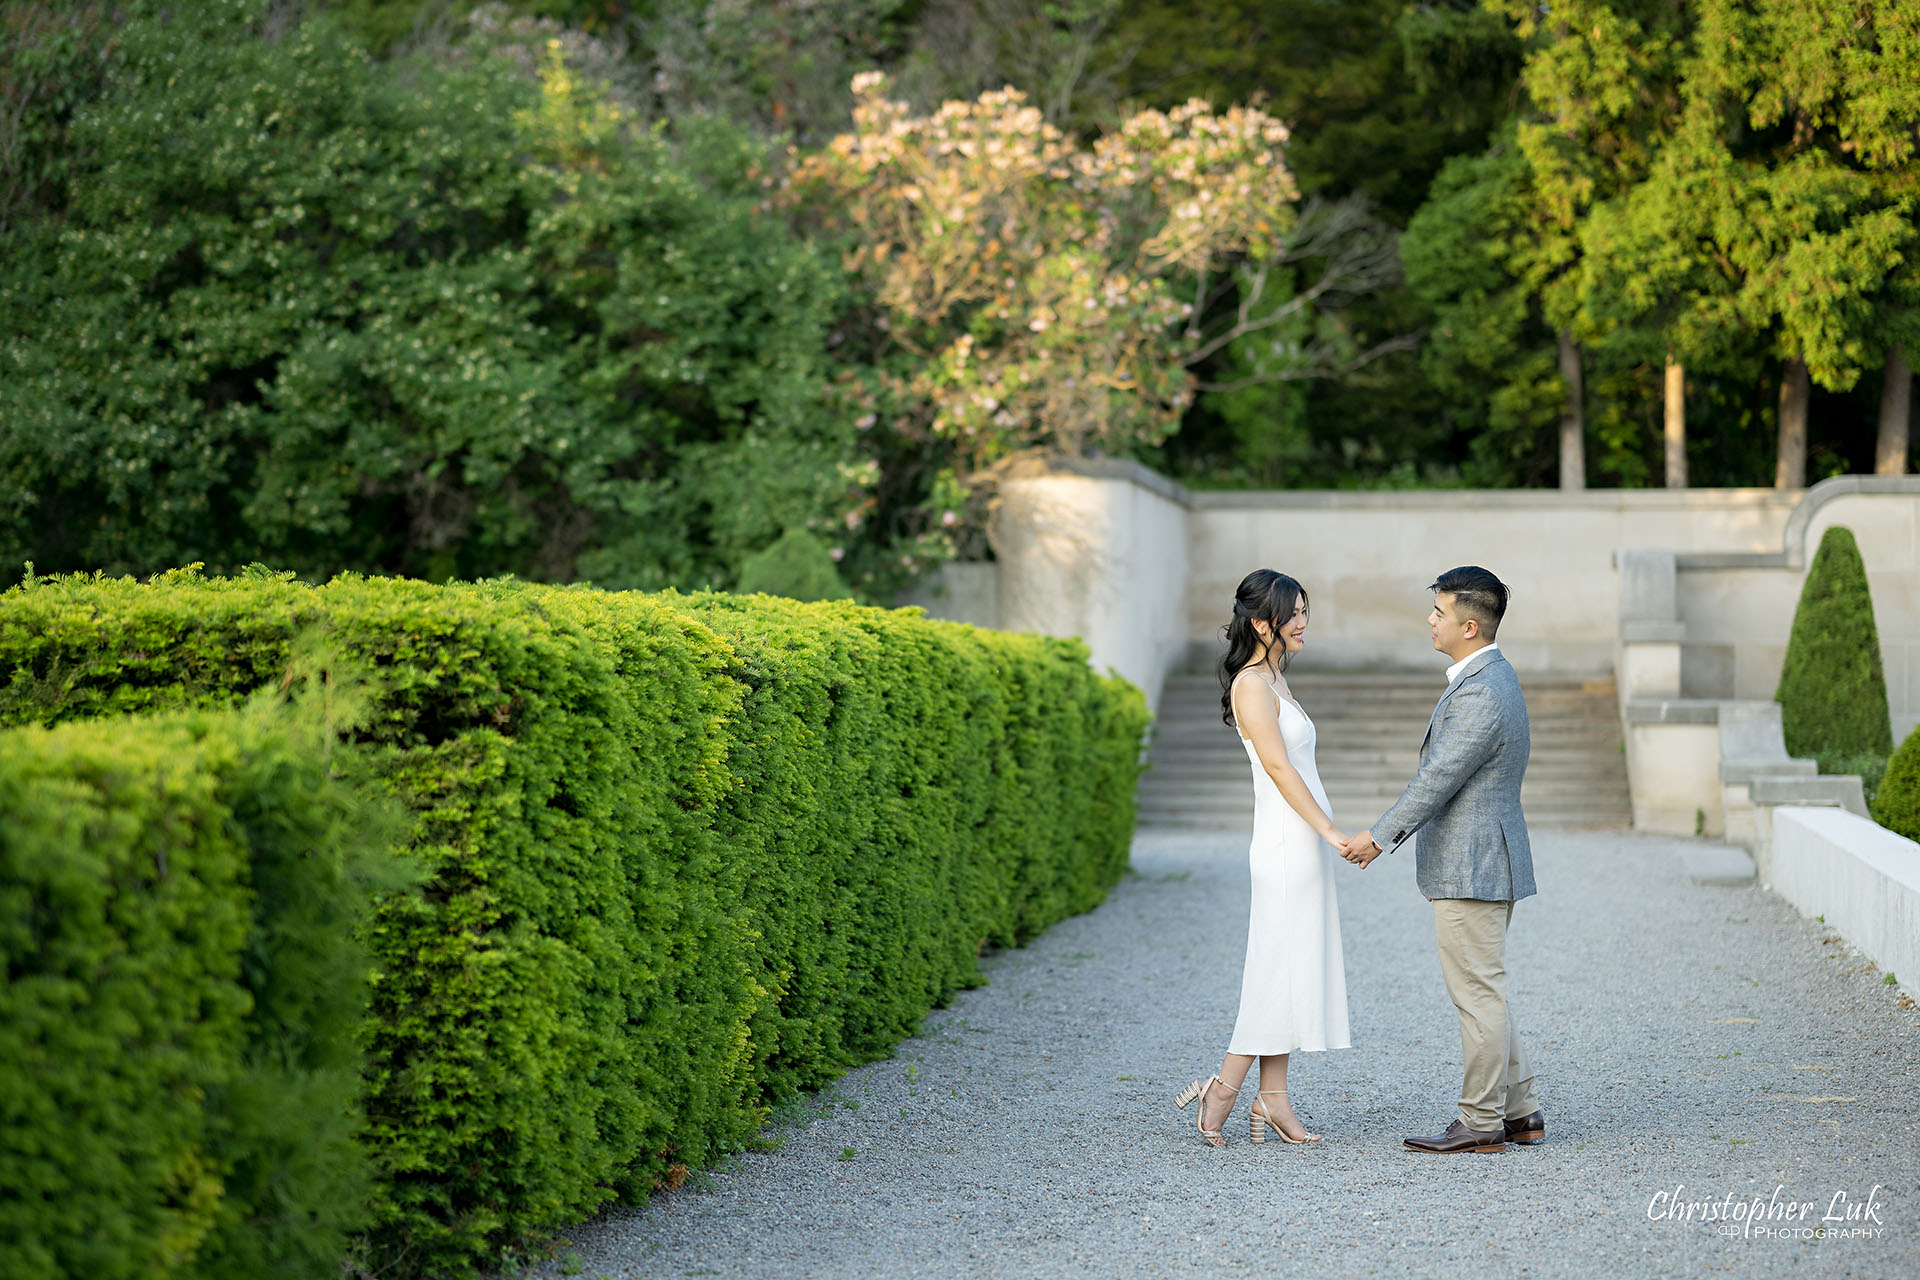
pixel 1360 849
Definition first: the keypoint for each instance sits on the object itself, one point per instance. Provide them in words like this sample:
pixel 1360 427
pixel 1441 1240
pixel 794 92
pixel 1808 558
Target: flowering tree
pixel 1038 292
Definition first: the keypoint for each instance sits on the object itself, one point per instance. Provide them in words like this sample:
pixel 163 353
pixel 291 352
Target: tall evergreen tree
pixel 1781 207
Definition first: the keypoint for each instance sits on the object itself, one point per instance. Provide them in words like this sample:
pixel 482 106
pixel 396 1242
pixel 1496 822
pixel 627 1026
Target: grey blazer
pixel 1465 800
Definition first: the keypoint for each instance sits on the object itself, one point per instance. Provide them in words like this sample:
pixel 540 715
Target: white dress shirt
pixel 1453 672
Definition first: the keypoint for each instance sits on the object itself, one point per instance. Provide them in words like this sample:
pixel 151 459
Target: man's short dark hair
pixel 1477 594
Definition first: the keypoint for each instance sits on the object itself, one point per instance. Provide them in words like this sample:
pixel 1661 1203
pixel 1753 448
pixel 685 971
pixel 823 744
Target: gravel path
pixel 1684 1036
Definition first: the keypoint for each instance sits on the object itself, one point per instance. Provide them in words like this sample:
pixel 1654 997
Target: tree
pixel 1030 281
pixel 1598 78
pixel 444 318
pixel 1057 52
pixel 54 59
pixel 1896 412
pixel 1782 204
pixel 1378 95
pixel 1471 255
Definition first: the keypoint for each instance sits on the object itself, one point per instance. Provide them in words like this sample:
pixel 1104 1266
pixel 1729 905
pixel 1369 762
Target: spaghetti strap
pixel 1235 683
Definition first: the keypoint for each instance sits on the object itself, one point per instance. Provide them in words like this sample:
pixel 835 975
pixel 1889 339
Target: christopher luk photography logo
pixel 1844 1215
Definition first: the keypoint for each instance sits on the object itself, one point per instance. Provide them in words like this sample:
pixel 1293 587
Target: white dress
pixel 1293 994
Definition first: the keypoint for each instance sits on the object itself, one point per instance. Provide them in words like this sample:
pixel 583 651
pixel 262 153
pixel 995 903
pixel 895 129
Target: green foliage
pixel 444 318
pixel 1780 201
pixel 955 788
pixel 1471 256
pixel 1869 766
pixel 179 1062
pixel 1896 804
pixel 682 856
pixel 1833 692
pixel 797 565
pixel 54 56
pixel 1379 92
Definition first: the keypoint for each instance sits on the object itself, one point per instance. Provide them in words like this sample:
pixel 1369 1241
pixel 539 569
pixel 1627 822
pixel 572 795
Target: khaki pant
pixel 1472 936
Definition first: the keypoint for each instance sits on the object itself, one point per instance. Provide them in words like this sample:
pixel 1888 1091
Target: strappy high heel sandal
pixel 1198 1089
pixel 1258 1119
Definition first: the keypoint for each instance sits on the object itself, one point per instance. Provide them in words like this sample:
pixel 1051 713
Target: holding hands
pixel 1360 849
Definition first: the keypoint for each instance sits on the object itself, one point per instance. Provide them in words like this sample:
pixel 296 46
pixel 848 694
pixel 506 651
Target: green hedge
pixel 684 855
pixel 179 1073
pixel 1833 691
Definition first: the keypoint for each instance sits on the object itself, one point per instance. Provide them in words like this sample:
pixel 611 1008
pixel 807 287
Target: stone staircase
pixel 1370 728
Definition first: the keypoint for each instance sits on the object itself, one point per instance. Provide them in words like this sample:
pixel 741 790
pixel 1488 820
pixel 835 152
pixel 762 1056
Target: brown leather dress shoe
pixel 1460 1138
pixel 1528 1130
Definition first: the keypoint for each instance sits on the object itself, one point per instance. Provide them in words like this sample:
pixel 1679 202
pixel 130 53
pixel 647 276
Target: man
pixel 1473 859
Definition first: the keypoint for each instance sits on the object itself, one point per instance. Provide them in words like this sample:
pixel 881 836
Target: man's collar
pixel 1453 672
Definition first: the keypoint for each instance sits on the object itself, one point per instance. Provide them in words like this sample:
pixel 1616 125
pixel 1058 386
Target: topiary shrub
pixel 1896 804
pixel 1833 691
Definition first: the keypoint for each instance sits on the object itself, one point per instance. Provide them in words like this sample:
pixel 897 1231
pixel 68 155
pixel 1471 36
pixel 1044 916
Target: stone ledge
pixel 1697 561
pixel 1793 555
pixel 1650 632
pixel 1835 791
pixel 1754 770
pixel 1040 467
pixel 1624 500
pixel 1673 711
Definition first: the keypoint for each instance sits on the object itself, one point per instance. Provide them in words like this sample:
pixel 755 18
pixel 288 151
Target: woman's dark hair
pixel 1269 597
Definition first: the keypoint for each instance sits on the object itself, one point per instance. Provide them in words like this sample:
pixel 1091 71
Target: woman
pixel 1293 994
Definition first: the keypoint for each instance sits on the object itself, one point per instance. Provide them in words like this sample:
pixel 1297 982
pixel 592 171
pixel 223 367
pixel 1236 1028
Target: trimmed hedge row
pixel 179 1077
pixel 683 855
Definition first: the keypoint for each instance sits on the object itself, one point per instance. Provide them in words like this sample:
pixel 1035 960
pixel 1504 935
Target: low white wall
pixel 1366 560
pixel 1862 878
pixel 1097 550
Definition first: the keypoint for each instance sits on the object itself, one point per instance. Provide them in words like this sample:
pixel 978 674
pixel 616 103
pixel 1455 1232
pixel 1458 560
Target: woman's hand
pixel 1335 837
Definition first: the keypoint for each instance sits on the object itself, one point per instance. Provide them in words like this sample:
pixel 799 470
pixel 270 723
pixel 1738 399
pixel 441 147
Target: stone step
pixel 1370 726
pixel 1583 820
pixel 1323 710
pixel 1394 744
pixel 1243 793
pixel 1241 798
pixel 1333 772
pixel 1336 727
pixel 1177 693
pixel 1368 680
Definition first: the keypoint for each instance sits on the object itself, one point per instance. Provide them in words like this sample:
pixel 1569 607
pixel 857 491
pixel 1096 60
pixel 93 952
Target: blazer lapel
pixel 1475 665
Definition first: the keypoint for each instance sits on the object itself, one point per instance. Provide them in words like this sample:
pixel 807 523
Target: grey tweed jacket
pixel 1465 799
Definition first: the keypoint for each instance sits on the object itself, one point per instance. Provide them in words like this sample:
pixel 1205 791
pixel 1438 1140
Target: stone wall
pixel 1144 570
pixel 1366 560
pixel 1097 550
pixel 1737 609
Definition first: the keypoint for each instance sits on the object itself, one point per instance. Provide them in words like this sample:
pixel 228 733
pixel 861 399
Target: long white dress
pixel 1293 994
